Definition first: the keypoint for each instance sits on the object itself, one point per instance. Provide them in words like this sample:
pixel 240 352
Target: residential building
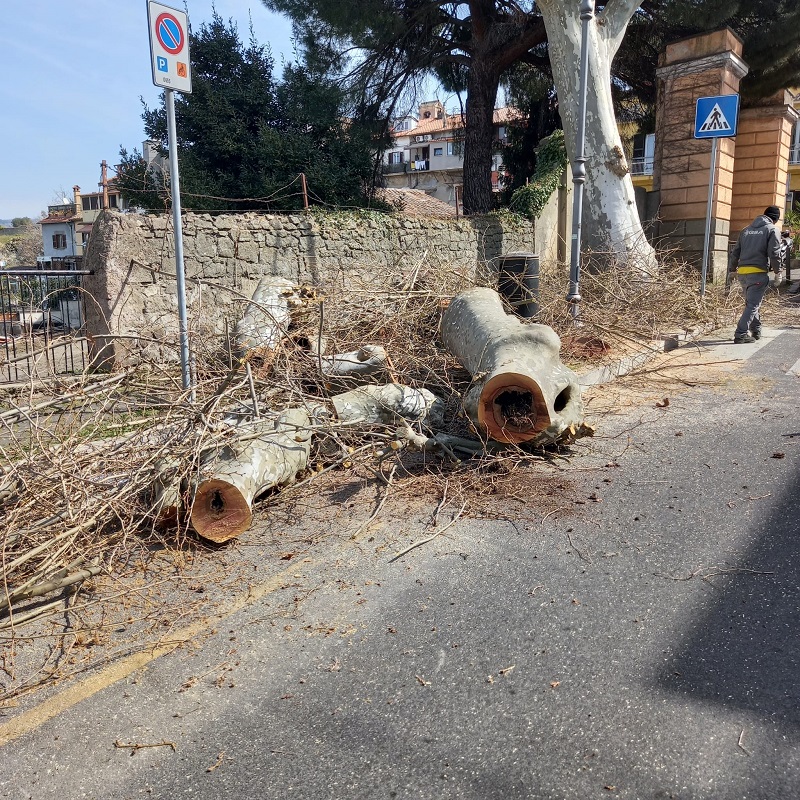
pixel 427 152
pixel 67 226
pixel 793 189
pixel 60 242
pixel 643 160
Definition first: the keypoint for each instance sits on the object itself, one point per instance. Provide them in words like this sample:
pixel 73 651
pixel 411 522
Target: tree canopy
pixel 21 250
pixel 244 137
pixel 477 43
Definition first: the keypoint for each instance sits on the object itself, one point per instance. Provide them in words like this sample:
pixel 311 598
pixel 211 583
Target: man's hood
pixel 761 221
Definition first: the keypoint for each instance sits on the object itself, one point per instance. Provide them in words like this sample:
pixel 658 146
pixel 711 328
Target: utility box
pixel 518 283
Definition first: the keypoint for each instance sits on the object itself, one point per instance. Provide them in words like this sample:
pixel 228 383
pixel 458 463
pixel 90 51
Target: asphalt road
pixel 642 643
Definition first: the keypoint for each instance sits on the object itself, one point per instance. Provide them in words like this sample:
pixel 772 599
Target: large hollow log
pixel 237 473
pixel 521 391
pixel 386 405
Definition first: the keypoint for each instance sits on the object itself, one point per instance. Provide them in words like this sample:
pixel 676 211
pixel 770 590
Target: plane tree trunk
pixel 610 218
pixel 233 476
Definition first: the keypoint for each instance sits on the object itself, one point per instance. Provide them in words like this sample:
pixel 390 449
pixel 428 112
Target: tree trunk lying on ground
pixel 386 405
pixel 366 360
pixel 237 473
pixel 269 454
pixel 266 318
pixel 521 390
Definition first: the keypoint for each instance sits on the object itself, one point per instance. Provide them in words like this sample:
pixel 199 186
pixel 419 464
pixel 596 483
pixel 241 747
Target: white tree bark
pixel 387 405
pixel 236 474
pixel 610 217
pixel 366 360
pixel 266 318
pixel 521 391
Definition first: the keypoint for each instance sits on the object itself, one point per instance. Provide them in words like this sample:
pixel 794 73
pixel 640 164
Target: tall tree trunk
pixel 482 85
pixel 610 219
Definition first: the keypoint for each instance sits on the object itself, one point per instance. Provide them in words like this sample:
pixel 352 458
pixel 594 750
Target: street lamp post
pixel 579 165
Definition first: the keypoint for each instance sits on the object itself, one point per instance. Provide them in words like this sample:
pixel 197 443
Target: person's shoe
pixel 756 334
pixel 746 339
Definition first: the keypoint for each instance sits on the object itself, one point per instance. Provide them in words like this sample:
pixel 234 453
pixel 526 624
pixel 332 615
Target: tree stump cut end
pixel 220 511
pixel 512 408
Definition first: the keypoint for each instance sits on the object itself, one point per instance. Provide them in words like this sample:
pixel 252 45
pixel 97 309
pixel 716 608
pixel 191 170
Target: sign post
pixel 715 118
pixel 169 58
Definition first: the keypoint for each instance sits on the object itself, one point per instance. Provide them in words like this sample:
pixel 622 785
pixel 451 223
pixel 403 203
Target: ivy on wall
pixel 551 159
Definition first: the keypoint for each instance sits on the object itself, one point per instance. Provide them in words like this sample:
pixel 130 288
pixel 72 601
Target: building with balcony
pixel 643 160
pixel 427 152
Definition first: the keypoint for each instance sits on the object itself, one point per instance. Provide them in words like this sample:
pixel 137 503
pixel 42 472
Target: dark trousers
pixel 754 286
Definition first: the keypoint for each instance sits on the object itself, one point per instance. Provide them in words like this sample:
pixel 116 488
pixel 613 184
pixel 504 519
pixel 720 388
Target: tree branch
pixel 614 19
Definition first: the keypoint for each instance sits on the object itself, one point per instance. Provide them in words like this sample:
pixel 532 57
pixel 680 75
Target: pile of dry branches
pixel 82 462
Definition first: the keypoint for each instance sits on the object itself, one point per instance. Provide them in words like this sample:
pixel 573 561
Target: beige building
pixel 427 152
pixel 757 168
pixel 66 228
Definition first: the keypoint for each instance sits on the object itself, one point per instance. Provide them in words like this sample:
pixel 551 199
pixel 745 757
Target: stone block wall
pixel 762 158
pixel 131 307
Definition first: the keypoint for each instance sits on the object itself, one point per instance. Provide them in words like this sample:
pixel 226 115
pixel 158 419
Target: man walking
pixel 757 251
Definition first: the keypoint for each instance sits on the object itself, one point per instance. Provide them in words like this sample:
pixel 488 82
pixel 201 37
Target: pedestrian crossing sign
pixel 716 117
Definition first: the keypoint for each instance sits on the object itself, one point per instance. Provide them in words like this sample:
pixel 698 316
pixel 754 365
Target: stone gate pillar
pixel 699 66
pixel 762 158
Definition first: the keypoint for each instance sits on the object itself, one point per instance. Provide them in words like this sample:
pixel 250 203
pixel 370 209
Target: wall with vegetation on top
pixel 131 294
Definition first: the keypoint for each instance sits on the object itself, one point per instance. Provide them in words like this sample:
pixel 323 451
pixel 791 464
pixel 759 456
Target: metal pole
pixel 579 166
pixel 305 190
pixel 709 209
pixel 183 326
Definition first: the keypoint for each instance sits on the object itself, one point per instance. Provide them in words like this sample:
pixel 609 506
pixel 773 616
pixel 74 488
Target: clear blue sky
pixel 71 75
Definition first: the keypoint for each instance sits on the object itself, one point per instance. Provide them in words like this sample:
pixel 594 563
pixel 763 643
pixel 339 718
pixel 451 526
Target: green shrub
pixel 551 159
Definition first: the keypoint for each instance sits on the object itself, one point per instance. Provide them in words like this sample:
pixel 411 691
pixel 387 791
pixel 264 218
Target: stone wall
pixel 762 158
pixel 131 307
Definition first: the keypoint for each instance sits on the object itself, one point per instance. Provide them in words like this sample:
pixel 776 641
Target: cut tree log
pixel 521 391
pixel 233 476
pixel 367 360
pixel 166 497
pixel 386 405
pixel 266 318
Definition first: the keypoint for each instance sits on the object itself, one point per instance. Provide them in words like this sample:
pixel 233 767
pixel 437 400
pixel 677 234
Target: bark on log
pixel 367 360
pixel 236 474
pixel 385 405
pixel 167 501
pixel 521 391
pixel 266 318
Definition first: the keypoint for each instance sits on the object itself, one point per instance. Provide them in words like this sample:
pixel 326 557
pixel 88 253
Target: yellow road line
pixel 30 720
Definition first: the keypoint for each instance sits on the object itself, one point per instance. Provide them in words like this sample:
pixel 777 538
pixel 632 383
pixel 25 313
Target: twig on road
pixel 739 743
pixel 712 572
pixel 134 746
pixel 420 542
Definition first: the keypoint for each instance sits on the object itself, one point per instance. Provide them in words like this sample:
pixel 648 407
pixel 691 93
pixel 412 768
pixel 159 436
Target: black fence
pixel 42 333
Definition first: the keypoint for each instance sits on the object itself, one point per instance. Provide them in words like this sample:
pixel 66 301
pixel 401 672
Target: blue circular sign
pixel 169 33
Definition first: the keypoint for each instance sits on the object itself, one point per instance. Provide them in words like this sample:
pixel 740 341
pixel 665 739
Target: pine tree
pixel 476 45
pixel 243 137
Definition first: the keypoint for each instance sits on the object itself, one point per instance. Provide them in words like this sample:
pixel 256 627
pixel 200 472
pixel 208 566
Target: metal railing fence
pixel 42 333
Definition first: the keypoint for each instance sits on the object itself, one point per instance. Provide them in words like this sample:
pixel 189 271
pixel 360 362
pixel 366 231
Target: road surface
pixel 639 641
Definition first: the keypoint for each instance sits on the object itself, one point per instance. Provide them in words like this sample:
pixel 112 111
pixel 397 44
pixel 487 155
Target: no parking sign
pixel 169 47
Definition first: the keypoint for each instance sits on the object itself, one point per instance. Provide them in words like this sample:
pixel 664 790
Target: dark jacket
pixel 759 245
